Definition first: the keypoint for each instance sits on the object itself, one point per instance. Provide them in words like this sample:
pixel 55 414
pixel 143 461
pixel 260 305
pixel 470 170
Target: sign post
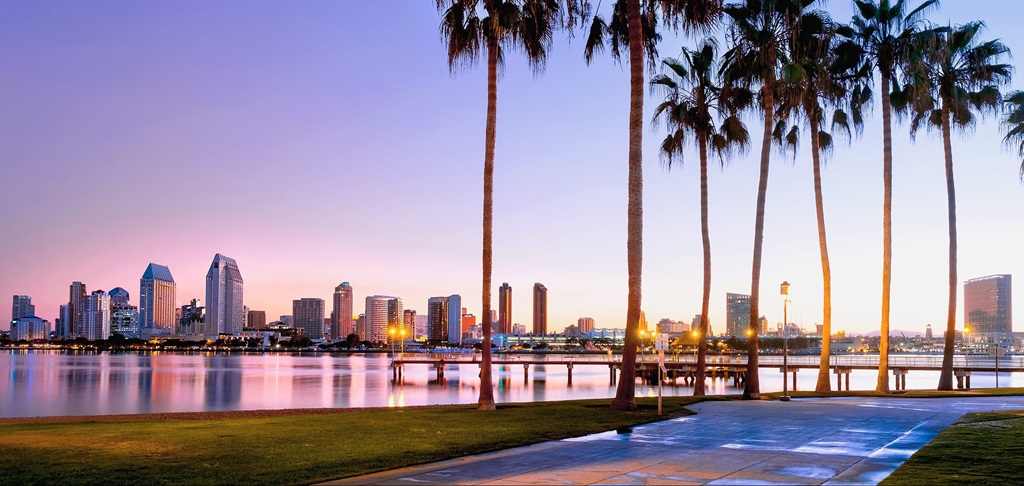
pixel 661 345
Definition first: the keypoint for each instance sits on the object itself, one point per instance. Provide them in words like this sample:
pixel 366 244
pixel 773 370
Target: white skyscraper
pixel 381 312
pixel 156 302
pixel 225 313
pixel 95 316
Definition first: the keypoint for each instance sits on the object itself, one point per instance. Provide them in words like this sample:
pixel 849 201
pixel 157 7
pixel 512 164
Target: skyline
pixel 307 126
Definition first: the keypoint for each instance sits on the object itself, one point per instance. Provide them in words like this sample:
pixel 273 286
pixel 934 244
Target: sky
pixel 319 142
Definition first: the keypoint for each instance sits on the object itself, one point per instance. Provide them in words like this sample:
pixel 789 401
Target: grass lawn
pixel 980 448
pixel 296 448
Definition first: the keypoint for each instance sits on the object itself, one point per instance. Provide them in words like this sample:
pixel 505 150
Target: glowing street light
pixel 784 291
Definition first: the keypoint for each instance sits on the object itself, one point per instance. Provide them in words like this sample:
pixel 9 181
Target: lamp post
pixel 391 331
pixel 784 291
pixel 403 341
pixel 967 348
pixel 642 333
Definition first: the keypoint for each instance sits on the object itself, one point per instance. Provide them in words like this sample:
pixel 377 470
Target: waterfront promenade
pixel 834 441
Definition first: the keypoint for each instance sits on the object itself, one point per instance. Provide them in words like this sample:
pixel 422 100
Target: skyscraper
pixel 437 319
pixel 540 309
pixel 505 308
pixel 118 297
pixel 454 334
pixel 737 314
pixel 22 307
pixel 308 315
pixel 409 323
pixel 157 302
pixel 94 316
pixel 988 306
pixel 64 322
pixel 224 297
pixel 381 312
pixel 74 326
pixel 341 313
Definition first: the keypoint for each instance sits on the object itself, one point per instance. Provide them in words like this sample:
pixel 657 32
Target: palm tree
pixel 637 26
pixel 885 30
pixel 824 75
pixel 1013 124
pixel 759 35
pixel 694 95
pixel 469 27
pixel 953 77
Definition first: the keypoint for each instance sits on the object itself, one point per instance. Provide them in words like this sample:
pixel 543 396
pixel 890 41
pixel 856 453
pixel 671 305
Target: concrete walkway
pixel 830 441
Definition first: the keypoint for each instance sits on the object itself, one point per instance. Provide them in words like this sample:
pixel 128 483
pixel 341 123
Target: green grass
pixel 980 448
pixel 291 449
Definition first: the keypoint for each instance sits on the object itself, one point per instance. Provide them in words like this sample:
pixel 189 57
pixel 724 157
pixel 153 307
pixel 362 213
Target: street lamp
pixel 642 333
pixel 784 291
pixel 391 331
pixel 967 348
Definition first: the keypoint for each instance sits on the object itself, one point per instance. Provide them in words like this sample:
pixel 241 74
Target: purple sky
pixel 319 142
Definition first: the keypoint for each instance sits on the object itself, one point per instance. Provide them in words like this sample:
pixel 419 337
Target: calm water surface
pixel 51 383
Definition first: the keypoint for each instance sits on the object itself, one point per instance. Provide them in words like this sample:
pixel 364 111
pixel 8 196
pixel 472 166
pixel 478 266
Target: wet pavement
pixel 833 441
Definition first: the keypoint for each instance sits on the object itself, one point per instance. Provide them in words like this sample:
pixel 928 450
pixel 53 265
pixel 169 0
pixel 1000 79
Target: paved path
pixel 830 441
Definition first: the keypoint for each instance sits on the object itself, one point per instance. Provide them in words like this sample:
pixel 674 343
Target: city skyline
pixel 224 104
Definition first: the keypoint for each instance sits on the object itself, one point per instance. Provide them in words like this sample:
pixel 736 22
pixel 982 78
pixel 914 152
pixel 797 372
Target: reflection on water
pixel 46 383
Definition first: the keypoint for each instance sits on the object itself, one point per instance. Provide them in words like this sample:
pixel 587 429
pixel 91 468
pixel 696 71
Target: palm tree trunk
pixel 752 387
pixel 702 340
pixel 824 384
pixel 625 393
pixel 883 343
pixel 946 376
pixel 486 401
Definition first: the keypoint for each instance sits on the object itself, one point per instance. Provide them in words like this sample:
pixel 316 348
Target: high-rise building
pixel 94 316
pixel 257 319
pixel 518 329
pixel 381 312
pixel 585 324
pixel 124 320
pixel 737 314
pixel 927 332
pixel 643 321
pixel 505 308
pixel 454 334
pixel 308 314
pixel 540 309
pixel 360 327
pixel 422 323
pixel 119 297
pixel 341 313
pixel 64 322
pixel 224 297
pixel 988 307
pixel 437 319
pixel 157 302
pixel 22 307
pixel 409 323
pixel 75 302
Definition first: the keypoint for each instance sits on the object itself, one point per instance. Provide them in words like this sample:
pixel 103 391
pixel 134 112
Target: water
pixel 53 383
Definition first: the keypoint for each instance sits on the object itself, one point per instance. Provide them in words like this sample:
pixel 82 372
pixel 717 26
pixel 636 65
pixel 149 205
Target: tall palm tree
pixel 885 30
pixel 634 27
pixel 758 36
pixel 1013 124
pixel 694 99
pixel 469 27
pixel 953 78
pixel 826 74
